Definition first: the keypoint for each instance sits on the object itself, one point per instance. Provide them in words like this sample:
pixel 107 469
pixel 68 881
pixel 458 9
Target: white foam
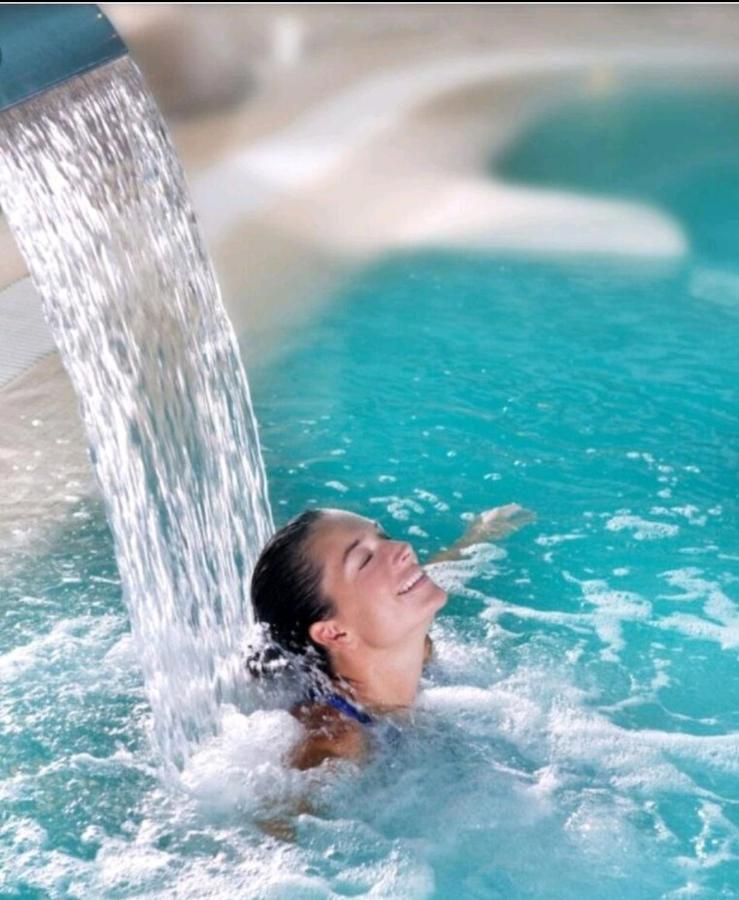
pixel 613 608
pixel 727 636
pixel 82 637
pixel 660 679
pixel 139 866
pixel 716 843
pixel 337 486
pixel 478 562
pixel 400 508
pixel 428 497
pixel 689 512
pixel 244 765
pixel 551 540
pixel 542 711
pixel 122 655
pixel 643 529
pixel 689 581
pixel 721 624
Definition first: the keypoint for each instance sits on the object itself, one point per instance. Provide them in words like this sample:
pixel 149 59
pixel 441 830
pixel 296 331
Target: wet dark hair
pixel 287 599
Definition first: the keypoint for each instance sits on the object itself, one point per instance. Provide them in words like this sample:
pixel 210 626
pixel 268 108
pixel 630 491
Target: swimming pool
pixel 576 735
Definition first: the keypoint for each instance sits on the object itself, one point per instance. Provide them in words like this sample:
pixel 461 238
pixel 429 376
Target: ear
pixel 329 634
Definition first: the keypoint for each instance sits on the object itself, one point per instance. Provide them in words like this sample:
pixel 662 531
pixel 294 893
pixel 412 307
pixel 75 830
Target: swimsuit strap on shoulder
pixel 343 705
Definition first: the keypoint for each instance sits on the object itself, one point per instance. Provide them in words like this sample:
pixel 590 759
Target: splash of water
pixel 97 201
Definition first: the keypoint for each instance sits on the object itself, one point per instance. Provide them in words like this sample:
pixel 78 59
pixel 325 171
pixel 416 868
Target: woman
pixel 355 606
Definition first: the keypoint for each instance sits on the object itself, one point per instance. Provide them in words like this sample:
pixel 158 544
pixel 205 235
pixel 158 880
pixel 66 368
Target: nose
pixel 403 553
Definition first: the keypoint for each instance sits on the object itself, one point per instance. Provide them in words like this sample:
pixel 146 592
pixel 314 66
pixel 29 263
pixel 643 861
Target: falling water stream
pixel 97 201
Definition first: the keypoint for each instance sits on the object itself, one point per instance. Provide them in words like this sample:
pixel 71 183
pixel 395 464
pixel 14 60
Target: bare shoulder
pixel 329 735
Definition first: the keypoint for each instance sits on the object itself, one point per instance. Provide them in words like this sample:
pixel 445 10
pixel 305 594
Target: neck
pixel 383 680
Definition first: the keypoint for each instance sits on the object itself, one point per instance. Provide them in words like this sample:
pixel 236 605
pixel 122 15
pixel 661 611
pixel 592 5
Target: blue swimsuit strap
pixel 343 705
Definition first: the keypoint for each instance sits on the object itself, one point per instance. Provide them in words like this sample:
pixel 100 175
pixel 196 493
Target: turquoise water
pixel 578 732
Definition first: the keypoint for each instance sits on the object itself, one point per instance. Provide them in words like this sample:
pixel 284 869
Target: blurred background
pixel 316 138
pixel 316 135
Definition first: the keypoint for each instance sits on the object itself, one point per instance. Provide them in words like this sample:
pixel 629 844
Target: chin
pixel 443 596
pixel 437 596
pixel 438 592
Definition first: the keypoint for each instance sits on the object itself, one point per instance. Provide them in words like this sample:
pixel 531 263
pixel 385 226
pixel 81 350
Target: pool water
pixel 577 734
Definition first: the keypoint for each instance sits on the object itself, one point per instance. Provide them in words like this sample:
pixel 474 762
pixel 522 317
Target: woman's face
pixel 381 595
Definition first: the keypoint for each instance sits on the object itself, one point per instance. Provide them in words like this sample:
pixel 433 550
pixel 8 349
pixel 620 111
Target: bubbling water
pixel 97 201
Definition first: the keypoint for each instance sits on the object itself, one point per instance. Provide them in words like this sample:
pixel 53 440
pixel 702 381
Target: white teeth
pixel 412 582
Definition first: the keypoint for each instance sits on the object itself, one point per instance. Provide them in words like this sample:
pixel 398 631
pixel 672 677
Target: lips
pixel 411 581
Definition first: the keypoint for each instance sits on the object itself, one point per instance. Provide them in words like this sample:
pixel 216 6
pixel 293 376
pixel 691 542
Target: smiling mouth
pixel 411 582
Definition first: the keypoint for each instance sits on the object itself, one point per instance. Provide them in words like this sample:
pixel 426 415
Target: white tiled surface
pixel 24 335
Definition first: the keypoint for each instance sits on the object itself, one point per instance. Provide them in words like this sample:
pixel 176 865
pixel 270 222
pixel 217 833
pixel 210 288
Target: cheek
pixel 386 621
pixel 374 593
pixel 374 614
pixel 382 631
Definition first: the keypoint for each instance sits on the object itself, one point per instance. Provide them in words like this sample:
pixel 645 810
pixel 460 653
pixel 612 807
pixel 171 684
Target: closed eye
pixel 383 537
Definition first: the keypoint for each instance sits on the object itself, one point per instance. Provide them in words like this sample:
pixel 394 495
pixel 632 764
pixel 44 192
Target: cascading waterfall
pixel 97 201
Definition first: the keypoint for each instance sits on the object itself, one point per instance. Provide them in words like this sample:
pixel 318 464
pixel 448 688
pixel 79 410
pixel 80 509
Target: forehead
pixel 334 532
pixel 336 523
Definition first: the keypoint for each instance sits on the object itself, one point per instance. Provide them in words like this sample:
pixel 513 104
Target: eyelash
pixel 383 537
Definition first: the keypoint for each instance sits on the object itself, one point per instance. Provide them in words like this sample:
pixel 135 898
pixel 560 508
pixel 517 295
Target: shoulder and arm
pixel 329 735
